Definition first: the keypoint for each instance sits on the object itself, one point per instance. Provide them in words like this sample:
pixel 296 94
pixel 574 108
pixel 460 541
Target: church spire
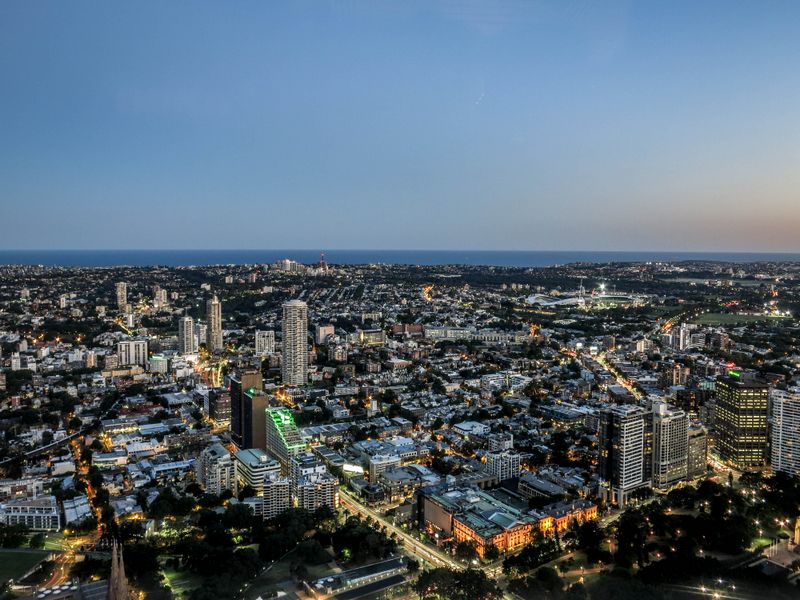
pixel 117 583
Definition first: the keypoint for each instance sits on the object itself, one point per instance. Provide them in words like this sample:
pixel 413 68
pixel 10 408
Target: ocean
pixel 499 258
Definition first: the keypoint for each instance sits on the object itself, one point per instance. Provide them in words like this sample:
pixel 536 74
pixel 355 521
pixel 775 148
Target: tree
pixel 466 551
pixel 441 583
pixel 491 553
pixel 632 532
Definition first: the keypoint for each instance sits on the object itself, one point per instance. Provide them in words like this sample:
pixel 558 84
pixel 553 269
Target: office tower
pixel 697 453
pixel 741 417
pixel 215 470
pixel 122 295
pixel 322 333
pixel 254 415
pixel 132 352
pixel 294 367
pixel 239 384
pixel 283 438
pixel 214 322
pixel 623 451
pixel 504 465
pixel 313 485
pixel 670 444
pixel 253 465
pixel 219 407
pixel 785 431
pixel 276 495
pixel 265 343
pixel 186 339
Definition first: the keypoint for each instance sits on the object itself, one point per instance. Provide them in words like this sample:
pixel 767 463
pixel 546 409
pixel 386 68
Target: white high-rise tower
pixel 122 295
pixel 785 430
pixel 294 367
pixel 214 318
pixel 186 339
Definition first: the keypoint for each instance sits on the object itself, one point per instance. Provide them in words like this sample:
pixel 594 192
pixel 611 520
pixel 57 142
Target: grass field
pixel 732 319
pixel 181 582
pixel 14 565
pixel 54 541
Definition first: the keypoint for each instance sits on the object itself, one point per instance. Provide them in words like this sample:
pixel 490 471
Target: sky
pixel 438 124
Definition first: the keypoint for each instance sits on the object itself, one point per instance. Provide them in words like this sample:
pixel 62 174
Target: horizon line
pixel 324 250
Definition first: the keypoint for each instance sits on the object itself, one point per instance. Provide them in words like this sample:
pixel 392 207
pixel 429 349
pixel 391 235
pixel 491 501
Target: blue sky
pixel 375 124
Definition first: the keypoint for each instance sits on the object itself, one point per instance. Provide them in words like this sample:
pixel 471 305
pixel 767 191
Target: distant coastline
pixel 498 258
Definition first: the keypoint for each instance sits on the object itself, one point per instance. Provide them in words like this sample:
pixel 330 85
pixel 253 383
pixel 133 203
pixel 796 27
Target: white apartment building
pixel 670 444
pixel 132 352
pixel 265 343
pixel 294 364
pixel 40 513
pixel 504 465
pixel 215 470
pixel 785 430
pixel 187 342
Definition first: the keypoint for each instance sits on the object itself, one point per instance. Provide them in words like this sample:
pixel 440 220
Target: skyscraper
pixel 283 438
pixel 122 295
pixel 623 451
pixel 294 368
pixel 214 319
pixel 186 339
pixel 785 431
pixel 741 419
pixel 254 415
pixel 670 444
pixel 249 379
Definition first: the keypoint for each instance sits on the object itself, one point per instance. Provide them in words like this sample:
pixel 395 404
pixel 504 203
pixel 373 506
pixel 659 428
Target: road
pixel 414 546
pixel 68 557
pixel 419 549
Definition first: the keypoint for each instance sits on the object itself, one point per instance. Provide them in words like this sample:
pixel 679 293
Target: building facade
pixel 214 323
pixel 186 339
pixel 623 455
pixel 741 418
pixel 283 438
pixel 785 431
pixel 265 343
pixel 294 366
pixel 670 445
pixel 215 470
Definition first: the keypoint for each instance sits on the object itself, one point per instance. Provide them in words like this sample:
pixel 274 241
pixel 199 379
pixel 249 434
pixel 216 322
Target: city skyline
pixel 446 125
